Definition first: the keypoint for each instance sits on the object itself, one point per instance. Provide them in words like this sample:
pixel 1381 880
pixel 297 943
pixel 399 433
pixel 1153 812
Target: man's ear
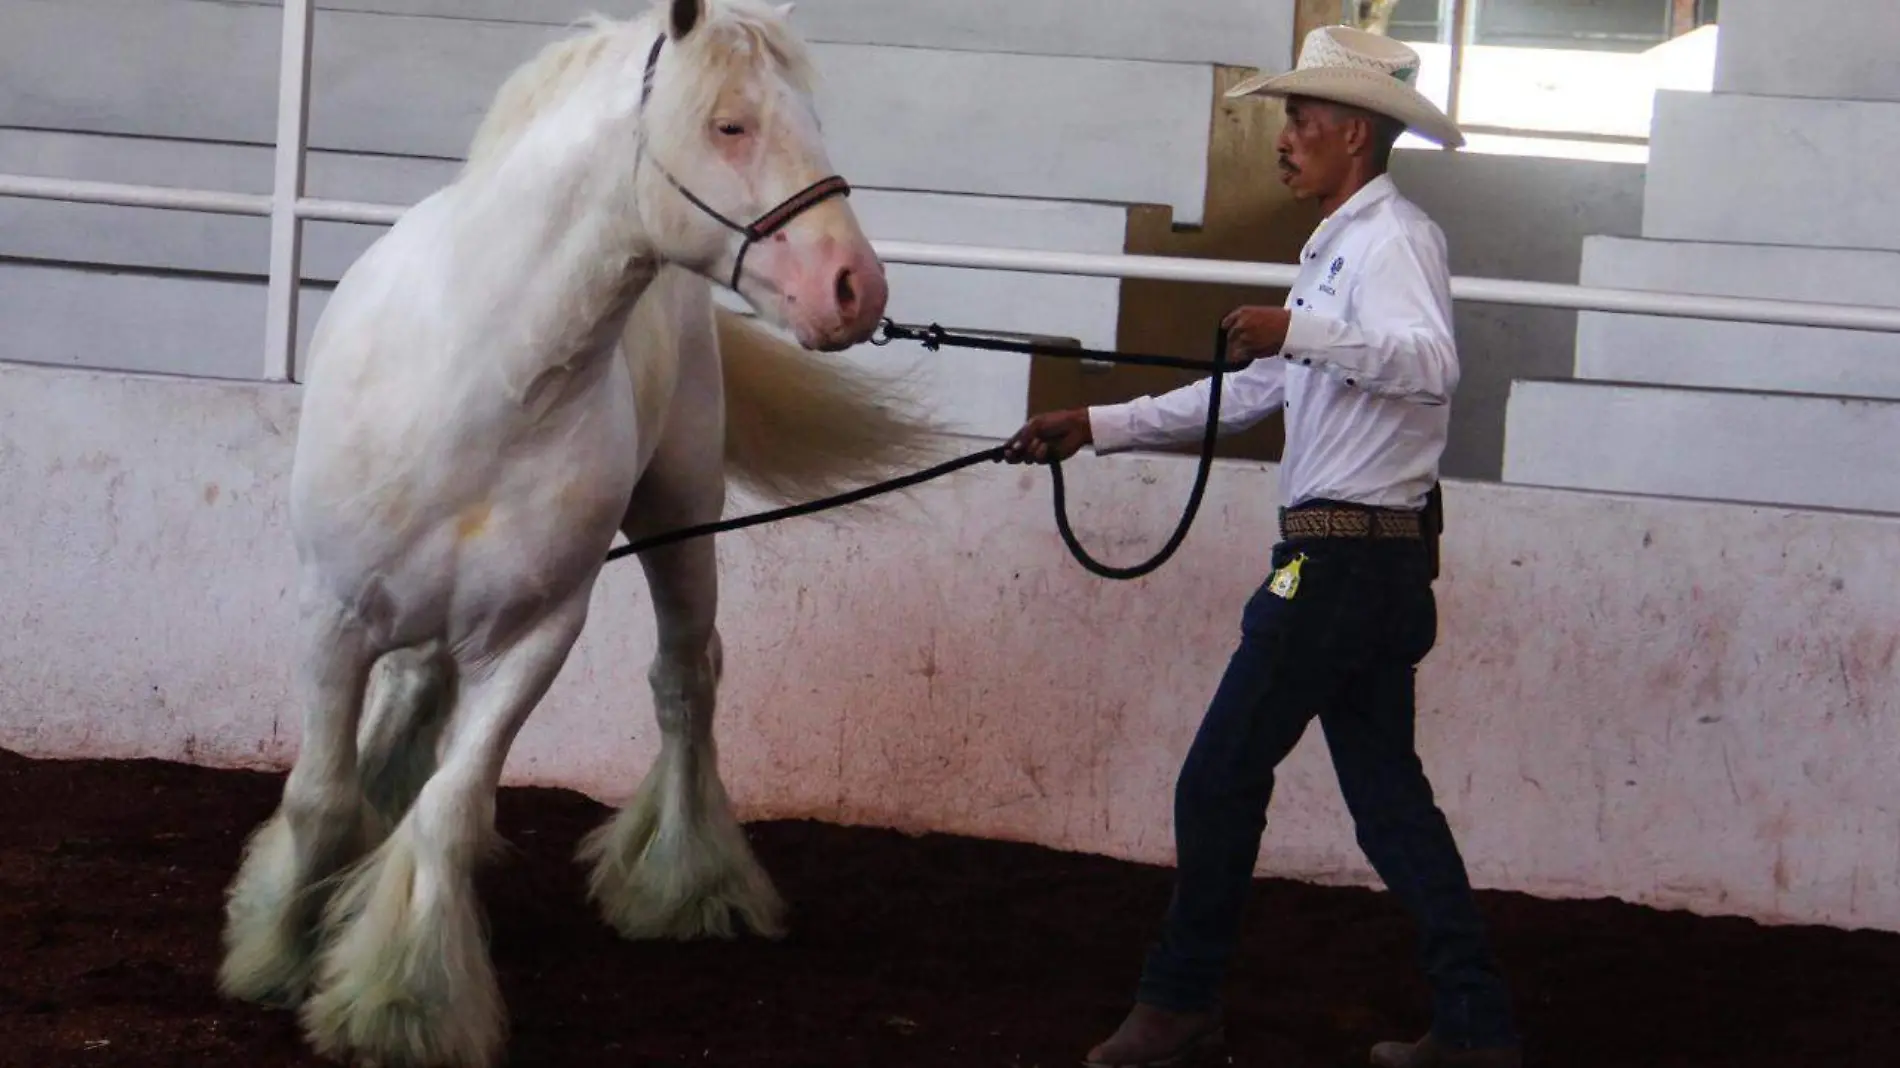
pixel 683 17
pixel 1362 132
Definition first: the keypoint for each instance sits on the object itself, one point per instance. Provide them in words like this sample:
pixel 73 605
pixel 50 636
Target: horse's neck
pixel 562 255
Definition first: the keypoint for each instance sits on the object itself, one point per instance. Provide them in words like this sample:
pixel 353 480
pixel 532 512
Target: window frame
pixel 1458 22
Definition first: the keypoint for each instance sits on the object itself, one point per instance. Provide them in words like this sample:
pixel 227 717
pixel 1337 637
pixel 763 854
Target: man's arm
pixel 1246 397
pixel 1400 342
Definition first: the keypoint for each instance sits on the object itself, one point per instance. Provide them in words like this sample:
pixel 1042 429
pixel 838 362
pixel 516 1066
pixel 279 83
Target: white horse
pixel 527 351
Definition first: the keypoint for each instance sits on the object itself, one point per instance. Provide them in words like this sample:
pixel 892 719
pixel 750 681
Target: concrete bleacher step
pixel 1790 450
pixel 1727 168
pixel 1236 32
pixel 1839 50
pixel 1698 352
pixel 1109 130
pixel 94 311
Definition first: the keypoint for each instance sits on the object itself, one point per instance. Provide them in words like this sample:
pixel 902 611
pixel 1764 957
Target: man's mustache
pixel 1287 166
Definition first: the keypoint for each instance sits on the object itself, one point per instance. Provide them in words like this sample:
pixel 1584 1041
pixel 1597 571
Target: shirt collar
pixel 1371 193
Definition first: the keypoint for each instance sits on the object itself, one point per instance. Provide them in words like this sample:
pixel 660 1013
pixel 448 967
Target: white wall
pixel 1525 218
pixel 1686 705
pixel 1758 189
pixel 1836 49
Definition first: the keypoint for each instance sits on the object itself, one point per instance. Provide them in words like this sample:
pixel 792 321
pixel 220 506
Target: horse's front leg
pixel 404 977
pixel 674 862
pixel 322 823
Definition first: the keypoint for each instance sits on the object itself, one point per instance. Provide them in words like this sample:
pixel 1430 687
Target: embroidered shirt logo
pixel 1332 275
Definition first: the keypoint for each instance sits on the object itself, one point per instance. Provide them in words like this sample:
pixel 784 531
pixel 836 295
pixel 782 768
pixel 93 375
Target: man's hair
pixel 1386 131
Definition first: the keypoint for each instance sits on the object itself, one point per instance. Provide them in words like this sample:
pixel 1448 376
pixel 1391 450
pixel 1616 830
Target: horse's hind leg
pixel 410 694
pixel 321 823
pixel 674 862
pixel 404 977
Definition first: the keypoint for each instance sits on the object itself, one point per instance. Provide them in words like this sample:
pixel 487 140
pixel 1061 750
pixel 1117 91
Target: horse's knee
pixel 408 708
pixel 684 683
pixel 316 798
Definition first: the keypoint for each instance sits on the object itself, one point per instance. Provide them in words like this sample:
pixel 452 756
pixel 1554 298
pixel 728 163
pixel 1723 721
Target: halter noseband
pixel 765 225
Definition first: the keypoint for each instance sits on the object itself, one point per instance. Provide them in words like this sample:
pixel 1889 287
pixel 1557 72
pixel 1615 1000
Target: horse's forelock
pixel 734 39
pixel 740 39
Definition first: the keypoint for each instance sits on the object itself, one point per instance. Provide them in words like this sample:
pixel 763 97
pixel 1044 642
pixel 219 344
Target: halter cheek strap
pixel 765 225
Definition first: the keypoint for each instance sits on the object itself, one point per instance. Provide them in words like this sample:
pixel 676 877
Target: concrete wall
pixel 1834 49
pixel 1525 218
pixel 1747 194
pixel 1687 705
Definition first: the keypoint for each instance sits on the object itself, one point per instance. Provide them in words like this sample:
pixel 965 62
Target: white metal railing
pixel 287 208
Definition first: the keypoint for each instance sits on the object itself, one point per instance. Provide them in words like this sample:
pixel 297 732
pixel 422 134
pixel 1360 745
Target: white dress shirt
pixel 1365 377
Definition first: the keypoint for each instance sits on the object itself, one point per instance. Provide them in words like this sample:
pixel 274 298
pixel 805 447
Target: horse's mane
pixel 734 37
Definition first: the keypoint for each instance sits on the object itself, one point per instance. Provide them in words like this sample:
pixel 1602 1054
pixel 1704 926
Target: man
pixel 1361 361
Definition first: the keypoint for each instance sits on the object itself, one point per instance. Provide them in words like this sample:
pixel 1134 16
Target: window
pixel 1553 77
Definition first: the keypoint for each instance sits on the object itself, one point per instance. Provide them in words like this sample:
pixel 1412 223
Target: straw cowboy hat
pixel 1351 66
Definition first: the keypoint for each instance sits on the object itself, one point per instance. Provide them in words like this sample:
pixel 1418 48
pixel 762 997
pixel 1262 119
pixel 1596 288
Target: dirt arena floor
pixel 906 952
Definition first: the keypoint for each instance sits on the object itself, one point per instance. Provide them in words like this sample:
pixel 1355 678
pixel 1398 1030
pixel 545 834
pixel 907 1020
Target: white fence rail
pixel 288 209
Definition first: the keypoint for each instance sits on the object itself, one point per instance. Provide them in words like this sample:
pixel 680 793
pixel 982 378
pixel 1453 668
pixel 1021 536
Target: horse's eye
pixel 731 129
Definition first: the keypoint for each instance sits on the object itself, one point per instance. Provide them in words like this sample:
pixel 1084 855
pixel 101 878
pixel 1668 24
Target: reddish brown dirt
pixel 906 952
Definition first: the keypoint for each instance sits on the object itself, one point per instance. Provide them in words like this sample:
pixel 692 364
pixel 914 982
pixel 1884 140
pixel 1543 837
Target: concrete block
pixel 1238 32
pixel 1758 448
pixel 980 394
pixel 1772 171
pixel 1729 355
pixel 106 320
pixel 1116 131
pixel 1835 49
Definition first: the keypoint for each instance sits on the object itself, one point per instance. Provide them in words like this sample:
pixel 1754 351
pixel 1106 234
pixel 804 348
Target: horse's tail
pixel 802 425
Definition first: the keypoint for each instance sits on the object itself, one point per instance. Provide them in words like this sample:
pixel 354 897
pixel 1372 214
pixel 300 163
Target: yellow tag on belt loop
pixel 1286 581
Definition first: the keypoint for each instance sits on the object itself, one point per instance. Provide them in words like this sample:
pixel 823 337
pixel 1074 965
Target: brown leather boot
pixel 1428 1052
pixel 1159 1038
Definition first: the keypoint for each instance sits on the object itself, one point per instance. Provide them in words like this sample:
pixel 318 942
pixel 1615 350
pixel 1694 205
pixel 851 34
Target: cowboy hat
pixel 1366 70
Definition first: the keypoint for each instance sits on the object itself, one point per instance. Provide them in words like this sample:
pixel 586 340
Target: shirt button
pixel 1299 302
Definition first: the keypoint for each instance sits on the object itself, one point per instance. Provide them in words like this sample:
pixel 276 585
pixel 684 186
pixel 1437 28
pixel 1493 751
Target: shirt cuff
pixel 1305 333
pixel 1109 428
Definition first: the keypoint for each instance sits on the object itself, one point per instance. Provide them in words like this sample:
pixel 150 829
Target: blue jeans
pixel 1343 648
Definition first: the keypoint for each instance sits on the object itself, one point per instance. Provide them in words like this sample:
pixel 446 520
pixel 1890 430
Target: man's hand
pixel 1257 331
pixel 1052 435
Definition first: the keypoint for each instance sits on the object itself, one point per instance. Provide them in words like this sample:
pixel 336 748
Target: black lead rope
pixel 933 337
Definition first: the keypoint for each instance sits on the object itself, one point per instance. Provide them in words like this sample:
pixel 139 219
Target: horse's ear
pixel 685 15
pixel 785 10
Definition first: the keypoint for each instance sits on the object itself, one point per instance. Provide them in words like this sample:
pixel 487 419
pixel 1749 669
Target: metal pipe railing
pixel 286 223
pixel 75 191
pixel 1155 268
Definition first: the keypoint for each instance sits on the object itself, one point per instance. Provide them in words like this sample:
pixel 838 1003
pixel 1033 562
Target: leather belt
pixel 1329 522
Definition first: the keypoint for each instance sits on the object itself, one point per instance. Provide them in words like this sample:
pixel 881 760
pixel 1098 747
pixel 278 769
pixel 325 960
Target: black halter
pixel 766 225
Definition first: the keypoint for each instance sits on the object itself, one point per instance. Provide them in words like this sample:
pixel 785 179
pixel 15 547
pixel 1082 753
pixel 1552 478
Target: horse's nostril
pixel 846 291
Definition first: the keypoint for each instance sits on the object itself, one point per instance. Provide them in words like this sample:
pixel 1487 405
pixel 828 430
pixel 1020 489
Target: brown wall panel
pixel 1249 216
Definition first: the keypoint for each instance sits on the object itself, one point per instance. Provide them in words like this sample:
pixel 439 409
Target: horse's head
pixel 736 182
